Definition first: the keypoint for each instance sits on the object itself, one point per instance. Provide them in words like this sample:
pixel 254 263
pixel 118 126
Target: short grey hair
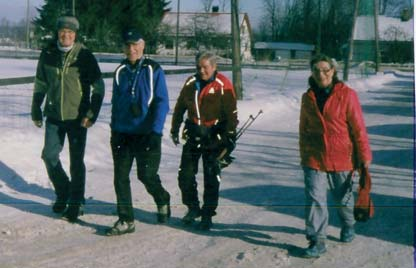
pixel 211 57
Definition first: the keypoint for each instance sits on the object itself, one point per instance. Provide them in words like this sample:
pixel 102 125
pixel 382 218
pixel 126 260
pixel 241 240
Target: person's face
pixel 205 69
pixel 322 73
pixel 66 37
pixel 134 51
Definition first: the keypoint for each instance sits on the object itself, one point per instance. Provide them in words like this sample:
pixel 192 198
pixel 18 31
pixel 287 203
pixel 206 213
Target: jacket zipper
pixel 197 108
pixel 64 70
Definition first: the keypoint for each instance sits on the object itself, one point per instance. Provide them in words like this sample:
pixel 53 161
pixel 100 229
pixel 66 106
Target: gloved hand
pixel 230 143
pixel 175 138
pixel 153 141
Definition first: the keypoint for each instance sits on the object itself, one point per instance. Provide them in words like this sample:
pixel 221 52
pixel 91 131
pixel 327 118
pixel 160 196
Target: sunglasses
pixel 325 71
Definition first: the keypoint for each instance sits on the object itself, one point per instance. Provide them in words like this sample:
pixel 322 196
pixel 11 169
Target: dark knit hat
pixel 67 22
pixel 131 36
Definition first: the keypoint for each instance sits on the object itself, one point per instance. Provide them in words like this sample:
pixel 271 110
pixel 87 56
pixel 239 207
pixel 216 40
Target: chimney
pixel 215 9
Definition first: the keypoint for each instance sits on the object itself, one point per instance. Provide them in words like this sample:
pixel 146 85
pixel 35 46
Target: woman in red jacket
pixel 333 142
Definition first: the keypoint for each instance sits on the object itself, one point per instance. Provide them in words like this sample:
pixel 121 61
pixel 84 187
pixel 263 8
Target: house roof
pixel 218 21
pixel 389 29
pixel 284 46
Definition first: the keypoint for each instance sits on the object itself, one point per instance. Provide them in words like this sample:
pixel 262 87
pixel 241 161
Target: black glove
pixel 175 138
pixel 230 143
pixel 36 106
pixel 154 141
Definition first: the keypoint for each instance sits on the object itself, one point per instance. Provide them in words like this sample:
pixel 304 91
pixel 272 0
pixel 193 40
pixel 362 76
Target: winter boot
pixel 73 211
pixel 120 228
pixel 315 249
pixel 60 205
pixel 191 215
pixel 205 224
pixel 347 234
pixel 163 213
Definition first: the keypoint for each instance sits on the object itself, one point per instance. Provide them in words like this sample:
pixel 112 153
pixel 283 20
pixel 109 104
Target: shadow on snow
pixel 392 222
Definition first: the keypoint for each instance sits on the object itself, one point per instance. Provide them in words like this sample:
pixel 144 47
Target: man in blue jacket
pixel 139 106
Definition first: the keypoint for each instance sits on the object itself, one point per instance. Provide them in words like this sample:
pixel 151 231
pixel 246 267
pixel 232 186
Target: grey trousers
pixel 316 209
pixel 66 189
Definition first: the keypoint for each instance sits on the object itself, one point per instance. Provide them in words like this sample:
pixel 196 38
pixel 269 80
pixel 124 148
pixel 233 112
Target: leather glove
pixel 175 138
pixel 230 143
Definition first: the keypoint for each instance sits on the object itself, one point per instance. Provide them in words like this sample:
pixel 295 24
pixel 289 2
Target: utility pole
pixel 319 34
pixel 73 8
pixel 376 37
pixel 236 50
pixel 27 24
pixel 177 33
pixel 350 48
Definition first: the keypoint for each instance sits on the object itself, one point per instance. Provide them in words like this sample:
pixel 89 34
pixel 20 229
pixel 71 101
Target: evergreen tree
pixel 101 21
pixel 45 23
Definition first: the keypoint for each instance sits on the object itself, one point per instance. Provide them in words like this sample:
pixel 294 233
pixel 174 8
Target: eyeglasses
pixel 324 71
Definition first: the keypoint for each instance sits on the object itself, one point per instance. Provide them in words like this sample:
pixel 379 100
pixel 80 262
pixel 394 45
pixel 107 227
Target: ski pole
pixel 245 123
pixel 248 123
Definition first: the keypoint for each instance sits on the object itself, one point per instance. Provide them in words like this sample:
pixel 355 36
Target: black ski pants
pixel 146 150
pixel 188 169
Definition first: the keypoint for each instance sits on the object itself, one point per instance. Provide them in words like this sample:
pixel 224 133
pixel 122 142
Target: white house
pixel 201 31
pixel 395 38
pixel 282 50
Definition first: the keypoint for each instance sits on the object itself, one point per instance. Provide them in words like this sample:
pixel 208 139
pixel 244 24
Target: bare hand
pixel 365 164
pixel 38 123
pixel 86 122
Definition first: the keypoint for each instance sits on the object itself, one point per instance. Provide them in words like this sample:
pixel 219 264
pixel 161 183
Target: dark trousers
pixel 191 154
pixel 125 148
pixel 66 189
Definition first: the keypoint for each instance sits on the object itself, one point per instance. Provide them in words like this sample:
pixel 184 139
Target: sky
pixel 16 10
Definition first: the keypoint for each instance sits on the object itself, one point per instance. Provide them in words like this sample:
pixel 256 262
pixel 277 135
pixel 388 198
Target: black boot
pixel 60 205
pixel 205 224
pixel 191 215
pixel 73 211
pixel 163 213
pixel 315 249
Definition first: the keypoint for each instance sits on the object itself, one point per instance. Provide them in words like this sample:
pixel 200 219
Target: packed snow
pixel 260 221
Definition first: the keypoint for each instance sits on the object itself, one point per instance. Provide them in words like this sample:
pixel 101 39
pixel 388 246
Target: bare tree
pixel 271 17
pixel 299 21
pixel 223 4
pixel 207 4
pixel 202 35
pixel 351 43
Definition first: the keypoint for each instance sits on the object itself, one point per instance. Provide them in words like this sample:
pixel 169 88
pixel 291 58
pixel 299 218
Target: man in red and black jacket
pixel 209 99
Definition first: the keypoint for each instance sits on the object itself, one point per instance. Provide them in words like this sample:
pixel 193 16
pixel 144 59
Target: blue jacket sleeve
pixel 160 103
